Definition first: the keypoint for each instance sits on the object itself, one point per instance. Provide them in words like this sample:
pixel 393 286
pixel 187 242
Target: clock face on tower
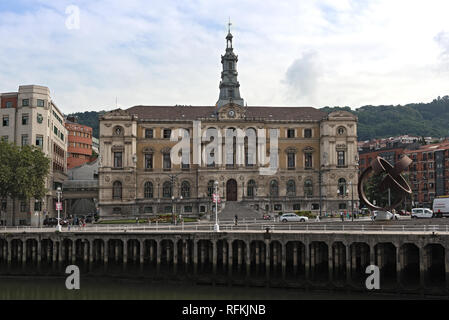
pixel 231 113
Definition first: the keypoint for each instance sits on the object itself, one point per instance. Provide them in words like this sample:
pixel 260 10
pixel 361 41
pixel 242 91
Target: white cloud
pixel 163 53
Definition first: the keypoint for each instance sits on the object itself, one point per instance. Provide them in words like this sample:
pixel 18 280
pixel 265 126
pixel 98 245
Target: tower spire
pixel 229 86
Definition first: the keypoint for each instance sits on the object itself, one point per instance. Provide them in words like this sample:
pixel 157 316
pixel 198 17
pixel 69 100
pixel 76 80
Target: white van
pixel 422 213
pixel 441 207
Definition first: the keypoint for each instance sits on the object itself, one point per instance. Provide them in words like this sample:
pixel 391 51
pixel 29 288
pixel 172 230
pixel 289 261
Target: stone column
pixel 284 258
pixel 330 260
pixel 225 256
pixel 91 244
pixel 106 252
pixel 39 251
pixel 348 263
pixel 230 251
pixel 152 252
pixel 372 252
pixel 422 266
pixel 239 255
pixel 195 256
pixel 125 252
pixel 55 252
pixel 142 252
pixel 24 252
pixel 312 259
pixel 73 251
pixel 134 251
pixel 307 260
pixel 399 264
pixel 214 257
pixel 248 258
pixel 354 259
pixel 186 255
pixel 175 256
pixel 158 255
pixel 257 255
pixel 202 254
pixel 116 251
pixel 85 251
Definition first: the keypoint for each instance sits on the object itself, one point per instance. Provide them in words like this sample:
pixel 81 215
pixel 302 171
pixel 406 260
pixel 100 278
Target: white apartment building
pixel 29 116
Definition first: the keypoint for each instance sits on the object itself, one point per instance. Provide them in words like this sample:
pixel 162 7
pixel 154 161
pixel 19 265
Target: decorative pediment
pixel 118 148
pixel 166 150
pixel 148 150
pixel 291 150
pixel 308 149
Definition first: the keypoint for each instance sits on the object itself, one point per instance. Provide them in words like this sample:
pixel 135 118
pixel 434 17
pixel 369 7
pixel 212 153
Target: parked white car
pixel 422 213
pixel 292 217
pixel 385 215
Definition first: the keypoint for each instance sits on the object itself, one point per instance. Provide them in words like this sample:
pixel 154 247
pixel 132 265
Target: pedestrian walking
pixel 317 219
pixel 342 217
pixel 236 219
pixel 137 220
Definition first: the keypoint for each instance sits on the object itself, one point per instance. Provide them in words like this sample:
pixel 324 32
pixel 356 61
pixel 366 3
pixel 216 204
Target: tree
pixel 22 173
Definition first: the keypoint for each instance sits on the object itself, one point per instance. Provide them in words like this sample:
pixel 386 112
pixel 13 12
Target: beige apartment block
pixel 29 116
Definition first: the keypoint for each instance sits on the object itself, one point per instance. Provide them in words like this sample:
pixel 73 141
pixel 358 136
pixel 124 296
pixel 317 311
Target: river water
pixel 103 288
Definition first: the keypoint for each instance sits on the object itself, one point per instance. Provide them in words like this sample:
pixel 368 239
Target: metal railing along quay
pixel 230 227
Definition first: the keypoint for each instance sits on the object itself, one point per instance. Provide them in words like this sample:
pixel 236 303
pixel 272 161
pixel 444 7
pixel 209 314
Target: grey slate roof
pixel 196 112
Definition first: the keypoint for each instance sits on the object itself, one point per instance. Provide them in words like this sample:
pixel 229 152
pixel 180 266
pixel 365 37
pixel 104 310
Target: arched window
pixel 148 190
pixel 185 189
pixel 274 188
pixel 291 188
pixel 166 190
pixel 308 188
pixel 117 190
pixel 341 187
pixel 210 188
pixel 251 188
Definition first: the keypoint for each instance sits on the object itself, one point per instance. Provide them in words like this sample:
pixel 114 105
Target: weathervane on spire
pixel 229 25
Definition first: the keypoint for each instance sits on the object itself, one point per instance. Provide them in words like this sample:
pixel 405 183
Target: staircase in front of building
pixel 242 211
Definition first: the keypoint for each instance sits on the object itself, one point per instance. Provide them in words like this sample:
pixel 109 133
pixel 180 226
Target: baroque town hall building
pixel 317 157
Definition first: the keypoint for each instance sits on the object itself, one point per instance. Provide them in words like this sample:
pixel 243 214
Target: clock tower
pixel 229 86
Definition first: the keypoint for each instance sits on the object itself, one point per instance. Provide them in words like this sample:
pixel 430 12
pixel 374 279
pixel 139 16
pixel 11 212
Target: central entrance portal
pixel 231 190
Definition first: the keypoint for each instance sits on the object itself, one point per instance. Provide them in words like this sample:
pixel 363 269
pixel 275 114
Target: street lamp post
pixel 216 226
pixel 58 191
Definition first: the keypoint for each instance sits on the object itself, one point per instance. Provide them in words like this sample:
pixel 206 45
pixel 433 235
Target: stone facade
pixel 312 145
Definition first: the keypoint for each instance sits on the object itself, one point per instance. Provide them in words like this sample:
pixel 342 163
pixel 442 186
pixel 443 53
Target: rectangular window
pixel 340 158
pixel 308 160
pixel 25 102
pixel 188 209
pixel 39 141
pixel 148 161
pixel 24 139
pixel 167 161
pixel 148 210
pixel 40 102
pixel 307 133
pixel 5 138
pixel 38 206
pixel 4 205
pixel 278 207
pixel 9 104
pixel 291 160
pixel 23 206
pixel 296 206
pixel 167 133
pixel 118 160
pixel 290 133
pixel 149 133
pixel 55 130
pixel 5 121
pixel 25 119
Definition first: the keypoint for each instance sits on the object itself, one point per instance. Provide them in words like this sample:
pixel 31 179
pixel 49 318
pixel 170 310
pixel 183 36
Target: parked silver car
pixel 292 217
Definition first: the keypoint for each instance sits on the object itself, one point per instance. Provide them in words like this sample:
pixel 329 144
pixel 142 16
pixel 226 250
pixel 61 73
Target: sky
pixel 96 55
